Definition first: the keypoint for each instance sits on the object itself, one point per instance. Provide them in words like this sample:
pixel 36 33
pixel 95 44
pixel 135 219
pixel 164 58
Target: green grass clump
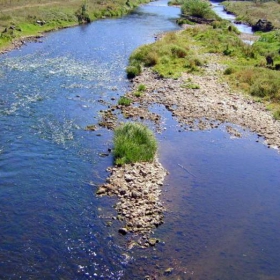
pixel 140 90
pixel 276 115
pixel 190 85
pixel 141 87
pixel 134 142
pixel 124 101
pixel 269 44
pixel 259 82
pixel 171 55
pixel 198 8
pixel 133 71
pixel 229 71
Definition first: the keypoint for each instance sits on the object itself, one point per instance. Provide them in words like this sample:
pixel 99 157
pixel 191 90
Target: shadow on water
pixel 221 195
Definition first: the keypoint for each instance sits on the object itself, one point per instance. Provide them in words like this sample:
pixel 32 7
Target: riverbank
pixel 22 21
pixel 250 12
pixel 204 102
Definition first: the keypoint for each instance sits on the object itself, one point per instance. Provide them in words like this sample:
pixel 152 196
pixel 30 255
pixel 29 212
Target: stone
pixel 153 241
pixel 123 231
pixel 101 190
pixel 262 25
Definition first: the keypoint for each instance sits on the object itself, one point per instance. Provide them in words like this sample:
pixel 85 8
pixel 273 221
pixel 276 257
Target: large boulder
pixel 262 25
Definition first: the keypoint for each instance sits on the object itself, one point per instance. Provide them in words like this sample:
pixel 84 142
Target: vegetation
pixel 198 8
pixel 252 11
pixel 124 101
pixel 169 57
pixel 30 17
pixel 134 142
pixel 247 67
pixel 133 70
pixel 141 87
pixel 140 90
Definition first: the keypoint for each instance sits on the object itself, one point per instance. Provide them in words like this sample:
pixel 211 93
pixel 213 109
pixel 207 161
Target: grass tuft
pixel 198 8
pixel 134 142
pixel 124 101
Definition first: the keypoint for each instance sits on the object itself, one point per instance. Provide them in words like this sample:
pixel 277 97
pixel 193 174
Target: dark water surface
pixel 222 219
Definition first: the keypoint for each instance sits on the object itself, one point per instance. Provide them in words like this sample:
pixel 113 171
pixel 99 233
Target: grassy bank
pixel 251 12
pixel 29 17
pixel 247 68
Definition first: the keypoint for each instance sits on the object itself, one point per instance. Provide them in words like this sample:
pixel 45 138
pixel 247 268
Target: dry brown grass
pixel 251 12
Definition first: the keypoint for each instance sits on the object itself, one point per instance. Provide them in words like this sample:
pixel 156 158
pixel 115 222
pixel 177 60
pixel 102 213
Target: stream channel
pixel 222 218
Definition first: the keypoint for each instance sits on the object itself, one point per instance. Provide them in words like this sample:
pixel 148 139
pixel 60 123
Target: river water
pixel 222 219
pixel 218 8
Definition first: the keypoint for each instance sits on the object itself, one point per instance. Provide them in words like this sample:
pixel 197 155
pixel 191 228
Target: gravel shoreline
pixel 204 102
pixel 138 188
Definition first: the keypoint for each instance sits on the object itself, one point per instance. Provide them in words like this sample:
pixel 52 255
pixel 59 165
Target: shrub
pixel 178 51
pixel 265 88
pixel 134 142
pixel 151 59
pixel 124 101
pixel 197 8
pixel 133 71
pixel 82 15
pixel 229 71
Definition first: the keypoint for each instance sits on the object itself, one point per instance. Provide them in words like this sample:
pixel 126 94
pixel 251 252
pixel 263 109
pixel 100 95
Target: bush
pixel 197 8
pixel 265 88
pixel 134 142
pixel 178 51
pixel 229 71
pixel 82 15
pixel 151 59
pixel 133 71
pixel 124 101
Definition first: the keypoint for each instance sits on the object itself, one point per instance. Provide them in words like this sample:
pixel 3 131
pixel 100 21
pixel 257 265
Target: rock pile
pixel 138 187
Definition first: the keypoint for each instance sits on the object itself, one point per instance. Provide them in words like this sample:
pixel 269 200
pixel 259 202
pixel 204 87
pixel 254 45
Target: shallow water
pixel 218 8
pixel 221 195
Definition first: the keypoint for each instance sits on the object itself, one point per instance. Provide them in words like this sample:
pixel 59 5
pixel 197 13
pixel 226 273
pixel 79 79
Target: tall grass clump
pixel 134 142
pixel 259 82
pixel 198 8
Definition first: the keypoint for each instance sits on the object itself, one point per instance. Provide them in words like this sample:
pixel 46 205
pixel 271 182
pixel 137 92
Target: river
pixel 222 219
